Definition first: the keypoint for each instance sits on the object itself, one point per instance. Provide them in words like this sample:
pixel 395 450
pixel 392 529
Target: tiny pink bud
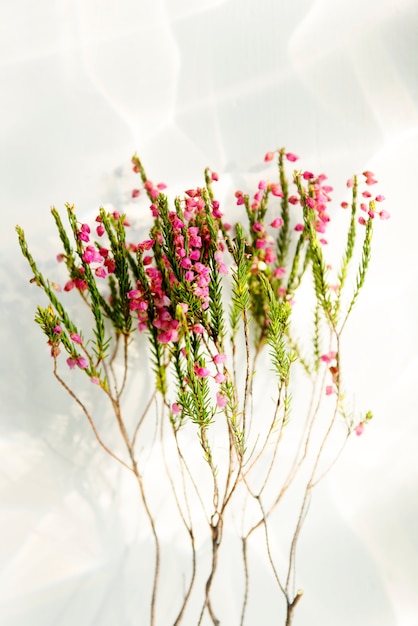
pixel 308 175
pixel 379 198
pixel 219 358
pixel 76 338
pixel 82 363
pixel 57 329
pixel 176 409
pixel 329 390
pixel 291 157
pixel 135 193
pixel 269 156
pixel 359 429
pixel 384 215
pixel 350 182
pixel 221 400
pixel 95 380
pixel 277 222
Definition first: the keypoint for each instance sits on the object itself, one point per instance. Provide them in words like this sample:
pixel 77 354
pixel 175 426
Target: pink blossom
pixel 262 184
pixel 71 363
pixel 197 329
pixel 299 228
pixel 200 371
pixel 269 156
pixel 167 336
pixel 76 338
pixel 100 272
pixel 95 380
pixel 350 182
pixel 279 272
pixel 221 400
pixel 276 190
pixel 69 285
pixel 135 193
pixel 384 215
pixel 291 157
pixel 359 429
pixel 329 390
pixel 308 175
pixel 327 358
pixel 214 176
pixel 293 199
pixel 219 377
pixel 176 409
pixel 57 329
pixel 82 363
pixel 362 221
pixel 345 205
pixel 219 358
pixel 258 227
pixel 379 198
pixel 277 222
pixel 100 230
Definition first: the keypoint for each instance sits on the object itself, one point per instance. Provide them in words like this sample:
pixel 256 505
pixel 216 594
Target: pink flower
pixel 362 221
pixel 277 222
pixel 219 358
pixel 327 358
pixel 384 215
pixel 95 380
pixel 276 190
pixel 262 184
pixel 82 363
pixel 329 390
pixel 202 372
pixel 176 409
pixel 135 193
pixel 69 285
pixel 100 272
pixel 345 205
pixel 379 198
pixel 359 429
pixel 71 363
pixel 57 329
pixel 269 156
pixel 279 272
pixel 299 228
pixel 350 182
pixel 221 400
pixel 308 175
pixel 76 338
pixel 291 157
pixel 168 335
pixel 219 378
pixel 100 230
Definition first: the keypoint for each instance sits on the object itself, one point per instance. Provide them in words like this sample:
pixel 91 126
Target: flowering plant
pixel 217 305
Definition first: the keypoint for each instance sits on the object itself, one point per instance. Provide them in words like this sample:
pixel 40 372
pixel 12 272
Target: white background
pixel 186 84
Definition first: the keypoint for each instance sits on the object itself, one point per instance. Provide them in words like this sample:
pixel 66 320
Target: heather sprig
pixel 210 299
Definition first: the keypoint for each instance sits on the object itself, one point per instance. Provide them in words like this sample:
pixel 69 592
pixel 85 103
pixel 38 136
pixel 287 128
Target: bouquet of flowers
pixel 217 302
